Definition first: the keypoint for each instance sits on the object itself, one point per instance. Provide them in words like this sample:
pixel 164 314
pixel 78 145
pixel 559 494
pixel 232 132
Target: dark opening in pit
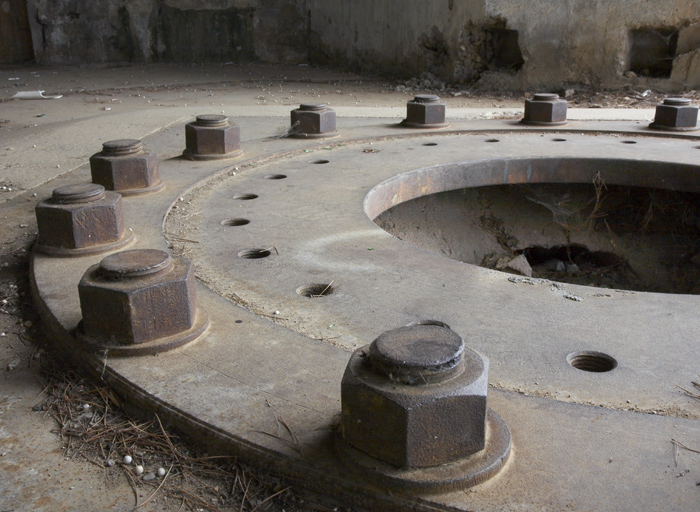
pixel 652 51
pixel 607 236
pixel 316 290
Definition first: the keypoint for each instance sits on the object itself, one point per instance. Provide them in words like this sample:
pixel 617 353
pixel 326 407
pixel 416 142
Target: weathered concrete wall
pixel 561 42
pixel 86 31
pixel 513 44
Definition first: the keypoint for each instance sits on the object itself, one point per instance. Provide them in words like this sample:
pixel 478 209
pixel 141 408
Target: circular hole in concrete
pixel 316 290
pixel 275 176
pixel 629 141
pixel 577 221
pixel 588 361
pixel 254 254
pixel 245 197
pixel 235 222
pixel 430 144
pixel 320 161
pixel 558 140
pixel 492 140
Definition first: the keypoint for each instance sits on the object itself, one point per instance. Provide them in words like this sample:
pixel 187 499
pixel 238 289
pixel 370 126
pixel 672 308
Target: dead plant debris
pixel 163 469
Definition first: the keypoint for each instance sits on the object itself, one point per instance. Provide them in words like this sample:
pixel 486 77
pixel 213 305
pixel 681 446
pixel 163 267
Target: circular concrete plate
pixel 263 384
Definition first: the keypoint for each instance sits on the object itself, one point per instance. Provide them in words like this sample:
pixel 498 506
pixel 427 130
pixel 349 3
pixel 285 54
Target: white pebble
pixel 138 469
pixel 161 472
pixel 2 334
pixel 127 459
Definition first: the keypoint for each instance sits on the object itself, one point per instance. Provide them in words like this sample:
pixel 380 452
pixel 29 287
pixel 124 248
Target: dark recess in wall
pixel 15 36
pixel 501 50
pixel 205 35
pixel 652 51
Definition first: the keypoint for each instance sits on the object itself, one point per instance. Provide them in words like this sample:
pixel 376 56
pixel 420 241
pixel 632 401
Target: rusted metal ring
pixel 78 193
pixel 135 263
pixel 418 354
pixel 212 120
pixel 122 147
pixel 545 96
pixel 312 107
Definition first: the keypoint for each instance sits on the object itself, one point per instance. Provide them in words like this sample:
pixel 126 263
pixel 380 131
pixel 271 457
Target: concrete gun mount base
pixel 295 275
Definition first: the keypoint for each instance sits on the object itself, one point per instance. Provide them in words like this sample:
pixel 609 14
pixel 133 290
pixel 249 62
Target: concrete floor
pixel 47 142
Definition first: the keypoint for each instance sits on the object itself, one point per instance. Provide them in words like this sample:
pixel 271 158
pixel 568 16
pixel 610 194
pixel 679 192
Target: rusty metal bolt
pixel 313 121
pixel 545 109
pixel 126 167
pixel 138 296
pixel 676 114
pixel 425 111
pixel 415 397
pixel 212 137
pixel 81 219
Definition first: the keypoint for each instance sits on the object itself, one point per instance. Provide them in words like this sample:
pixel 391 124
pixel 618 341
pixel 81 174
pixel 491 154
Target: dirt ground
pixel 58 449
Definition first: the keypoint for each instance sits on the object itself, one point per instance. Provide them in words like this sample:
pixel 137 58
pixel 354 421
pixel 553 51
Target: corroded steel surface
pixel 126 167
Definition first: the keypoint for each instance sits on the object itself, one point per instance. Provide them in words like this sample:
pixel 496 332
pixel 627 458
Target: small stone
pixel 13 364
pixel 520 265
pixel 28 324
pixel 572 268
pixel 148 477
pixel 109 463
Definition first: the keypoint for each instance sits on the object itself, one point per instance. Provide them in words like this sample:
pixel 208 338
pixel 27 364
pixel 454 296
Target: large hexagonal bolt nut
pixel 126 167
pixel 414 412
pixel 140 301
pixel 313 121
pixel 79 220
pixel 676 114
pixel 416 397
pixel 545 109
pixel 212 137
pixel 425 111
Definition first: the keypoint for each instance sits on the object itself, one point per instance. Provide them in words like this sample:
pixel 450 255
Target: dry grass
pixel 94 427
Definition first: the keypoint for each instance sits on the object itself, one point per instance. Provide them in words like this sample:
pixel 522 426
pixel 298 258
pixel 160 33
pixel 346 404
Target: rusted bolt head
pixel 425 111
pixel 212 136
pixel 78 217
pixel 415 397
pixel 125 167
pixel 313 120
pixel 545 109
pixel 676 114
pixel 137 296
